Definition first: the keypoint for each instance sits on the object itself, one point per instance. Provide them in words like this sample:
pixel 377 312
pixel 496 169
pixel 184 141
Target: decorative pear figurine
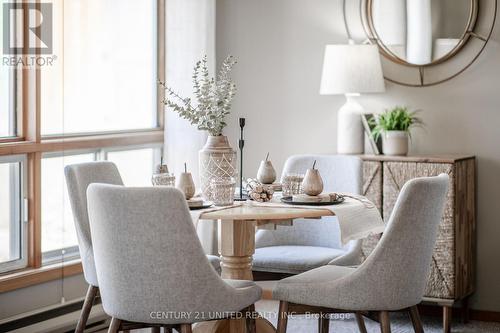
pixel 186 184
pixel 312 183
pixel 266 173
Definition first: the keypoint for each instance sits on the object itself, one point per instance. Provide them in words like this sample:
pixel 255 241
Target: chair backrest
pixel 78 178
pixel 395 275
pixel 340 173
pixel 148 255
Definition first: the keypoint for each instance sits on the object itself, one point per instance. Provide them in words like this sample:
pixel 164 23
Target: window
pixel 6 114
pixel 98 101
pixel 7 107
pixel 106 77
pixel 136 166
pixel 12 226
pixel 58 231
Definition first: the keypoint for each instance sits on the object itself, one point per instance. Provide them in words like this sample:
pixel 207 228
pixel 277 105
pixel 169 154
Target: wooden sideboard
pixel 453 262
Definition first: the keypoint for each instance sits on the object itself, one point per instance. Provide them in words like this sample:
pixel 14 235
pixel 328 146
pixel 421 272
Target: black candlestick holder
pixel 241 144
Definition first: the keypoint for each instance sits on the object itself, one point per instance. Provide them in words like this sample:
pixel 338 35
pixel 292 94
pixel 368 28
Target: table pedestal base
pixel 236 247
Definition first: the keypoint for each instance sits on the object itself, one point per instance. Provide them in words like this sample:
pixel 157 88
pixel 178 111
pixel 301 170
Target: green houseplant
pixel 394 127
pixel 207 110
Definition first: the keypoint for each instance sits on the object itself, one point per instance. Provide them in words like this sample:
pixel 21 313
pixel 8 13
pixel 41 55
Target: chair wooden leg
pixel 361 322
pixel 415 319
pixel 323 323
pixel 446 319
pixel 282 317
pixel 87 306
pixel 115 325
pixel 186 328
pixel 250 319
pixel 385 322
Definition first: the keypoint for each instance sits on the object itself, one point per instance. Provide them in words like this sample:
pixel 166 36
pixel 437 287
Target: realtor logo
pixel 35 20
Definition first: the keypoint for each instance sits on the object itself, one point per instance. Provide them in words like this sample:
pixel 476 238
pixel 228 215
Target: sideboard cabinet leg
pixel 446 319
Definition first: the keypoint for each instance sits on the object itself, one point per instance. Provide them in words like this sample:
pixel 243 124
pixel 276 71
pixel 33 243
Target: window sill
pixel 33 276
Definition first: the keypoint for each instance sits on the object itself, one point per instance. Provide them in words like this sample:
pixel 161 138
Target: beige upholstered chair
pixel 393 277
pixel 150 263
pixel 311 244
pixel 78 178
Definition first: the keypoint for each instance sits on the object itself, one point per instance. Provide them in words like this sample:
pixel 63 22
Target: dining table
pixel 237 225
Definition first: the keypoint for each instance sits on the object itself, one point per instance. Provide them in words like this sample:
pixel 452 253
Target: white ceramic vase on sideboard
pixel 350 133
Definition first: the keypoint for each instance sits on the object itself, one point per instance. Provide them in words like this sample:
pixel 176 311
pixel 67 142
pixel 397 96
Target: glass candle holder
pixel 292 184
pixel 163 179
pixel 223 191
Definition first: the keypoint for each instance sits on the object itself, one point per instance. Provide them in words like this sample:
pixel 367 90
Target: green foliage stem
pixel 213 97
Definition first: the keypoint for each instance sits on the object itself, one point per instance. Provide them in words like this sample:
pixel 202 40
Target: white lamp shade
pixel 351 69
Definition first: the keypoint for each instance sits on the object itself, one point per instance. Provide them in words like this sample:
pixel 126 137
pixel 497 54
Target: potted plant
pixel 394 127
pixel 213 103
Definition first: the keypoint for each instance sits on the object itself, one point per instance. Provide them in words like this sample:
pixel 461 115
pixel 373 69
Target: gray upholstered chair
pixel 78 178
pixel 311 244
pixel 392 278
pixel 150 263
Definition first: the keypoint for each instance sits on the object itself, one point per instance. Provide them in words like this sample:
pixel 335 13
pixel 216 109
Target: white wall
pixel 279 46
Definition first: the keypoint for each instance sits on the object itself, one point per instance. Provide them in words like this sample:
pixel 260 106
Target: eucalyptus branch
pixel 213 96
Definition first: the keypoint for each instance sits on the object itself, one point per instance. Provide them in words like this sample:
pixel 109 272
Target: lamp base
pixel 350 132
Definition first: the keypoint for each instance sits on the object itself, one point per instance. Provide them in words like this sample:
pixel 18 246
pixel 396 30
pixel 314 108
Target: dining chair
pixel 154 271
pixel 392 278
pixel 310 244
pixel 78 178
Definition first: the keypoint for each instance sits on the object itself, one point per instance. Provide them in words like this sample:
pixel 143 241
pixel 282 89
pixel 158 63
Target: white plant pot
pixel 395 143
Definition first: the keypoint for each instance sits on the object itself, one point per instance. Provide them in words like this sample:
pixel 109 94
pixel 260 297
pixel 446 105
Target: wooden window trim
pixel 82 142
pixel 33 276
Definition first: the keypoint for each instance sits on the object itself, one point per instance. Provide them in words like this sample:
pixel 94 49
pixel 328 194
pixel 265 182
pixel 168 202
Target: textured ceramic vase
pixel 312 183
pixel 186 184
pixel 266 173
pixel 395 143
pixel 217 160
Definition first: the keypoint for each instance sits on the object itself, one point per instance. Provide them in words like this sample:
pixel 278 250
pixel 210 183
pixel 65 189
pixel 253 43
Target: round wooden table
pixel 237 226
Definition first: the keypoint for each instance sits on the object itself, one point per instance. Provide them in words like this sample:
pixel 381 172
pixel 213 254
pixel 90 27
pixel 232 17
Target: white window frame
pixel 18 233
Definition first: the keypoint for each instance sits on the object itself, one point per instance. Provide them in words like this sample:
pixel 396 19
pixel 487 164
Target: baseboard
pixel 55 319
pixel 479 315
pixel 485 315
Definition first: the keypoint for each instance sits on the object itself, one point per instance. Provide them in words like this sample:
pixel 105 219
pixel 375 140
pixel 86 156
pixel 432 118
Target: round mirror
pixel 421 32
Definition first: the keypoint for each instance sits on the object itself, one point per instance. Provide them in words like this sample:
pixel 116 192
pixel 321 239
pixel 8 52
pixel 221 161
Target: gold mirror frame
pixel 480 26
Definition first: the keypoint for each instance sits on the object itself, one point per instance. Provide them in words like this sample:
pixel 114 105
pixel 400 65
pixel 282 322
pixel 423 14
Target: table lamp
pixel 351 70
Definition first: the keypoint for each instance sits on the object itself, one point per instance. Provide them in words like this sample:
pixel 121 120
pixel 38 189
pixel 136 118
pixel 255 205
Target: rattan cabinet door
pixel 441 283
pixel 372 189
